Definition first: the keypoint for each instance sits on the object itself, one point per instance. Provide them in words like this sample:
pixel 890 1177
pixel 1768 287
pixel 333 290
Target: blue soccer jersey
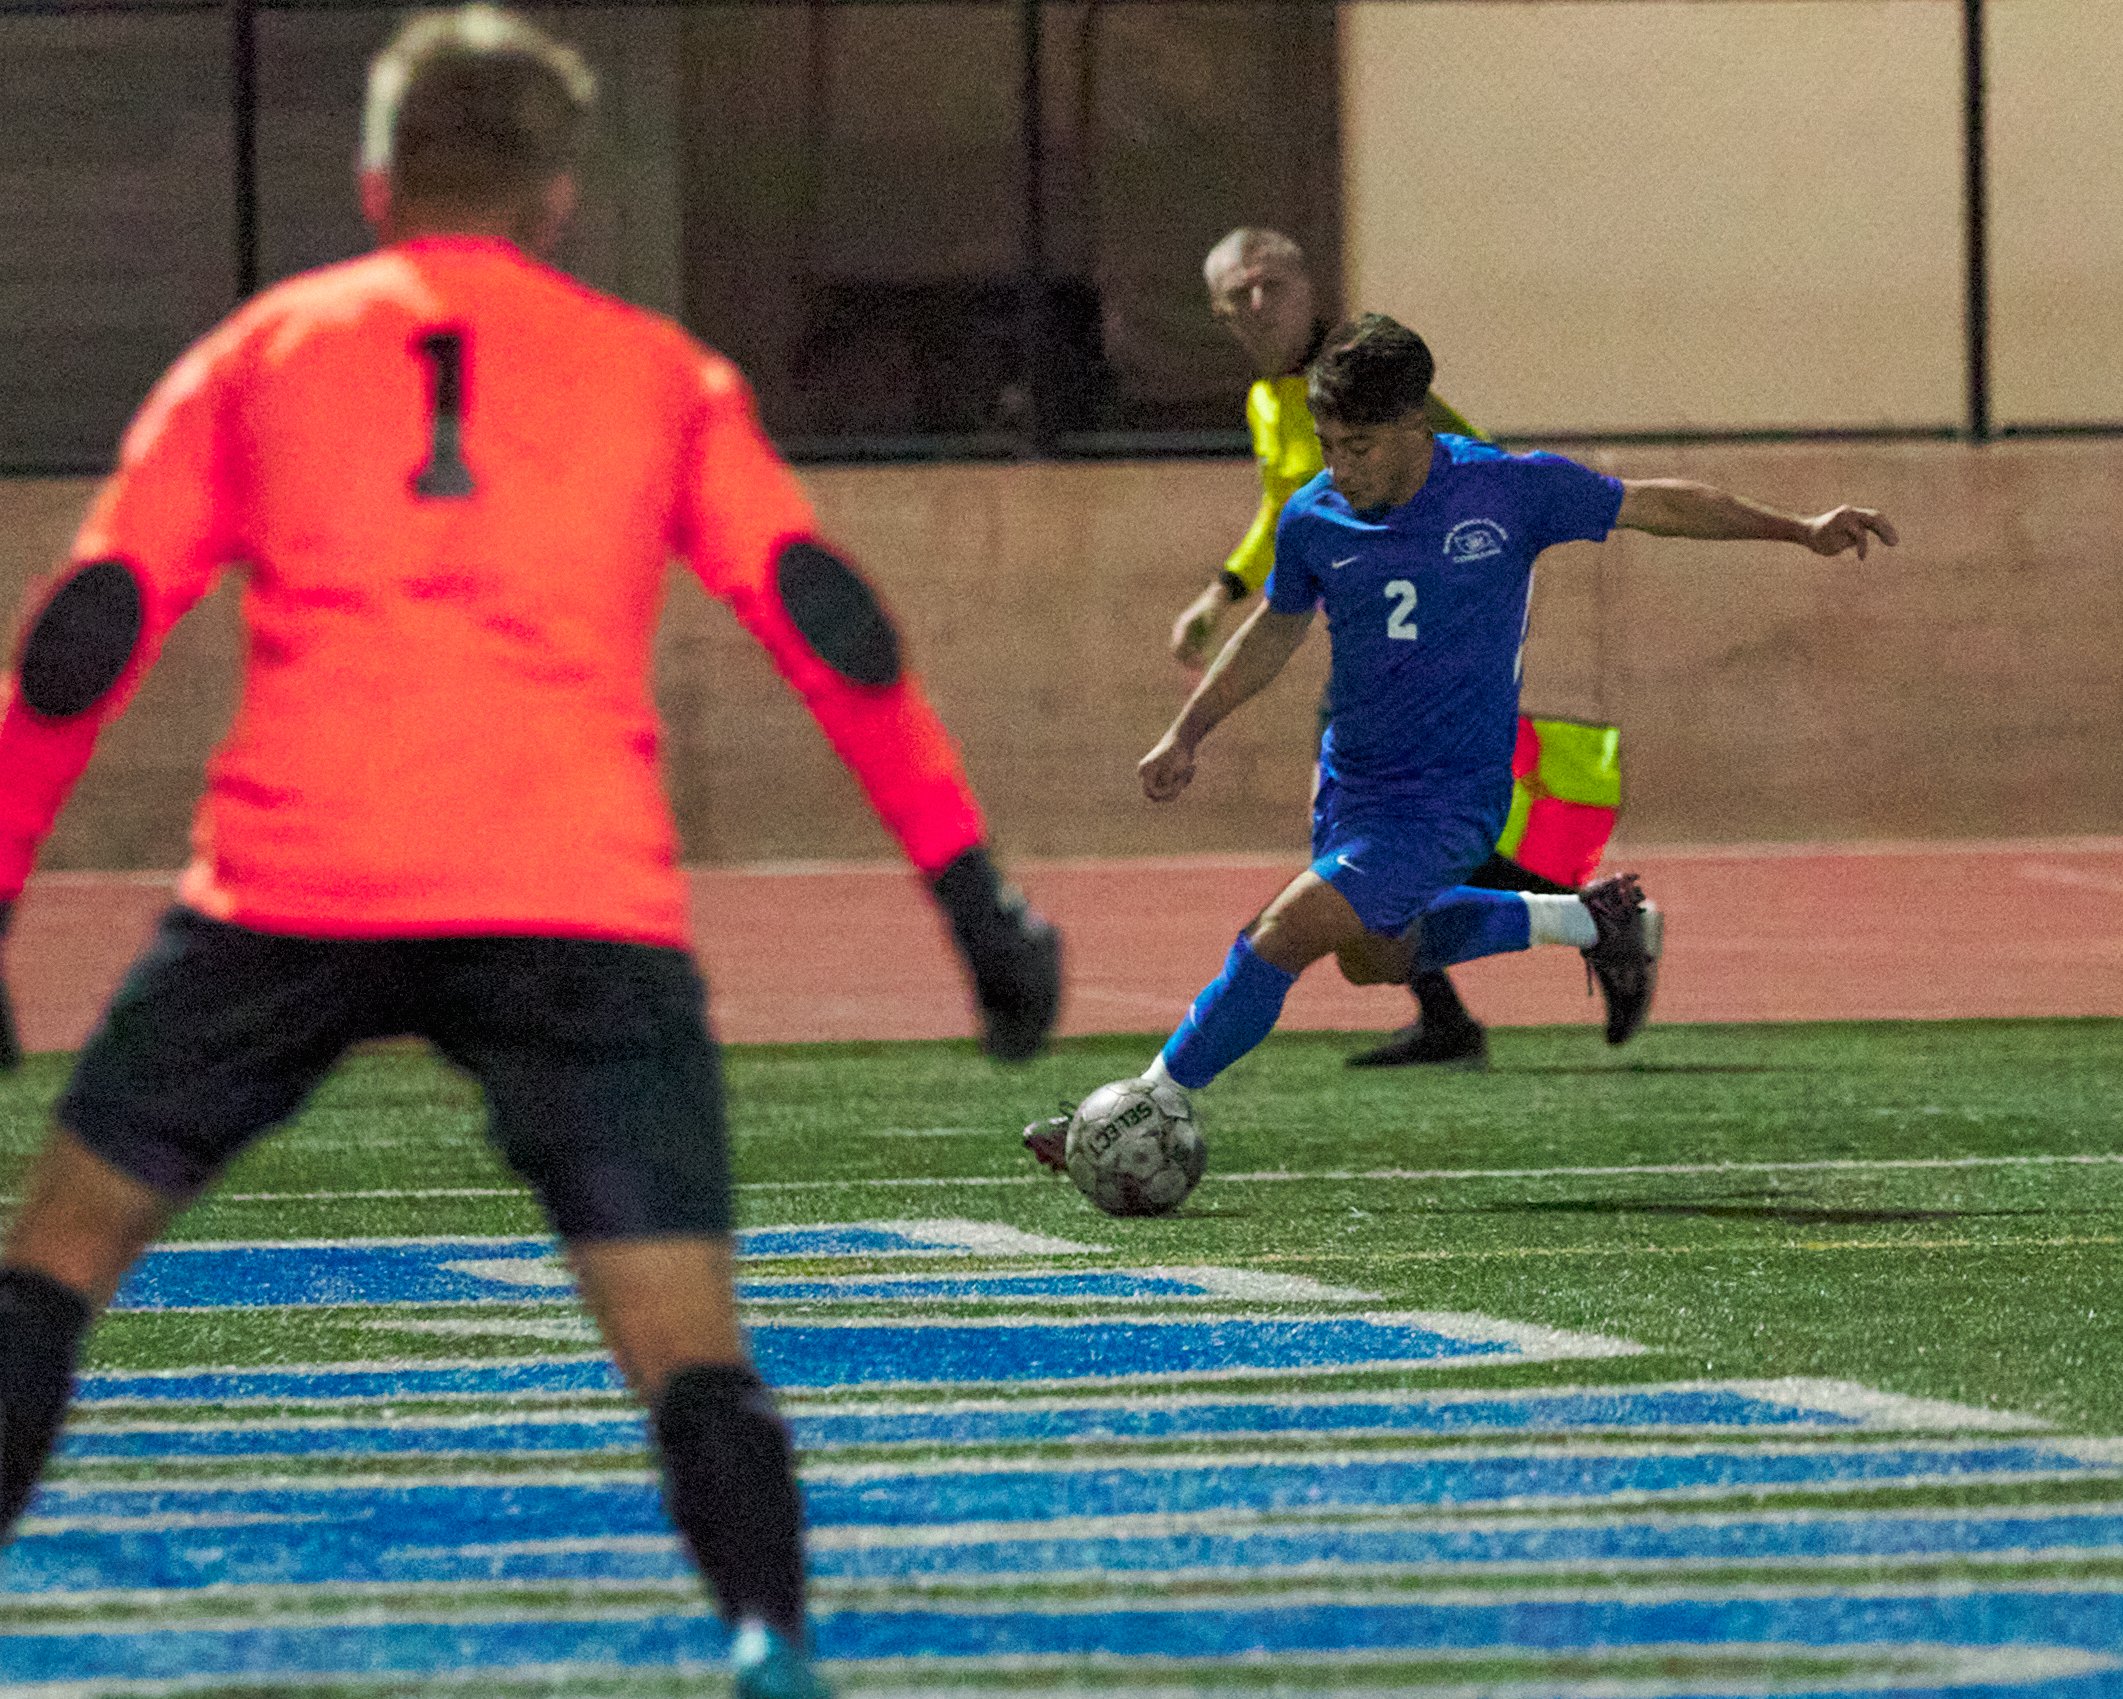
pixel 1426 609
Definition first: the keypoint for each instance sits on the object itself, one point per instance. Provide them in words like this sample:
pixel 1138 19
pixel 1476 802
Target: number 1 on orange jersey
pixel 445 477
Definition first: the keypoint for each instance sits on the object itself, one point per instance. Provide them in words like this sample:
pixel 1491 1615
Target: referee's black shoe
pixel 1444 1036
pixel 1422 1045
pixel 1625 959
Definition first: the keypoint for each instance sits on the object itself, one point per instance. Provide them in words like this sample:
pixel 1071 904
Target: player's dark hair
pixel 1372 371
pixel 475 110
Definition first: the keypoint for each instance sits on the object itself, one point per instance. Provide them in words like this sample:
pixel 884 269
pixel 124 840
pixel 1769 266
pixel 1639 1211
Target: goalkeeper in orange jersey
pixel 453 479
pixel 1568 778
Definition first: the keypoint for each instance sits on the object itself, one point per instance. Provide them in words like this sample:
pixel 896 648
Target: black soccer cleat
pixel 1018 984
pixel 1625 959
pixel 1012 953
pixel 1048 1141
pixel 1420 1045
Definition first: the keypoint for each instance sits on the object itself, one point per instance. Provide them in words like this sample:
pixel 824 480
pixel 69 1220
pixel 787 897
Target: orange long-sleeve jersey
pixel 454 480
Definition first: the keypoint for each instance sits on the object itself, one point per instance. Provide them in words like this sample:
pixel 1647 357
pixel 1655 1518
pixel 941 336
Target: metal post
pixel 1034 332
pixel 1976 201
pixel 243 137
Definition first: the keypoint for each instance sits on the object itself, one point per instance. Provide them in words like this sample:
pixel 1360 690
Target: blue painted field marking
pixel 471 1269
pixel 1116 1349
pixel 529 1433
pixel 213 1277
pixel 925 1351
pixel 1808 1406
pixel 85 1556
pixel 1672 1541
pixel 2047 1624
pixel 1030 1491
pixel 579 1374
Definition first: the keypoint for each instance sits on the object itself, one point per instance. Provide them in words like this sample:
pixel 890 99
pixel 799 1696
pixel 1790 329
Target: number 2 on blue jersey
pixel 1401 621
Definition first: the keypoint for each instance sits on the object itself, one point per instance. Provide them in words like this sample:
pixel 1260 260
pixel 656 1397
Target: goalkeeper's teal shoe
pixel 769 1665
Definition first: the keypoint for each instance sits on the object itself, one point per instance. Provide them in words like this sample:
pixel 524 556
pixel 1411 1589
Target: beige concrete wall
pixel 1965 684
pixel 2056 186
pixel 1664 214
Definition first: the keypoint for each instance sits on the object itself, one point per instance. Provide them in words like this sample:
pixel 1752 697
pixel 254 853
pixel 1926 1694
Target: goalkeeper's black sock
pixel 41 1326
pixel 1439 1000
pixel 730 1485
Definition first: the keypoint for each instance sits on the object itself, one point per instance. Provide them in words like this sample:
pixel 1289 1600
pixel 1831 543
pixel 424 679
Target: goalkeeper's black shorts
pixel 602 1082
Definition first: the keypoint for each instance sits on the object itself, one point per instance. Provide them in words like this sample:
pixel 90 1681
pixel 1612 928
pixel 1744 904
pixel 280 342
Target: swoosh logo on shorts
pixel 1346 560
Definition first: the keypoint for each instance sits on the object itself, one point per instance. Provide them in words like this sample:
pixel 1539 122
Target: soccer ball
pixel 1134 1148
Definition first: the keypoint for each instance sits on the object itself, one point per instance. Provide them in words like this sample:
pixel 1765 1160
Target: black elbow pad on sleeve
pixel 837 614
pixel 82 641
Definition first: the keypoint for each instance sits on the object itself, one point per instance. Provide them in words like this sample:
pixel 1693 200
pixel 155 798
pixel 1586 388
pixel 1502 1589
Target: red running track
pixel 1755 933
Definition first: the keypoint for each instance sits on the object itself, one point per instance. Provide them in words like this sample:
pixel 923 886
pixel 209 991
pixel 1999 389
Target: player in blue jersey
pixel 1421 550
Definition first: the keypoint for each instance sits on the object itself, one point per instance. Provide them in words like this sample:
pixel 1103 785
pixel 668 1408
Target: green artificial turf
pixel 1989 1283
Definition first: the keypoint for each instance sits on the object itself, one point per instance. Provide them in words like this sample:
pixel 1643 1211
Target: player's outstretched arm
pixel 10 1043
pixel 1677 507
pixel 1248 665
pixel 149 548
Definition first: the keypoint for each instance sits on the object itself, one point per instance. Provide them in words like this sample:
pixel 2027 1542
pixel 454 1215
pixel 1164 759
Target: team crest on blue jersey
pixel 1475 539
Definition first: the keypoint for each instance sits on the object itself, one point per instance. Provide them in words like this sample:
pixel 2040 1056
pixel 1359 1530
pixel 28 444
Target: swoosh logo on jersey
pixel 1337 565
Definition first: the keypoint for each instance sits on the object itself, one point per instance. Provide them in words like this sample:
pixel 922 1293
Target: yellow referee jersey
pixel 1286 445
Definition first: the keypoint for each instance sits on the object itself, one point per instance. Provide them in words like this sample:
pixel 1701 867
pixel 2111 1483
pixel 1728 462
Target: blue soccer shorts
pixel 1393 856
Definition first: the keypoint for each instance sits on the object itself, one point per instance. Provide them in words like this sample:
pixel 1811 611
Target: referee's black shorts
pixel 603 1086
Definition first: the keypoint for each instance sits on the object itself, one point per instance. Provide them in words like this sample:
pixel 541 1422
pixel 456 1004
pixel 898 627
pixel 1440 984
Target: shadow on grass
pixel 1591 1069
pixel 1787 1214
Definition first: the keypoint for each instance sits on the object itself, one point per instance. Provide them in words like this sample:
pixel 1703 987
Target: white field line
pixel 176 1521
pixel 1892 1410
pixel 388 1365
pixel 561 1330
pixel 985 1238
pixel 1460 1176
pixel 548 1274
pixel 1253 1283
pixel 1483 1598
pixel 1149 1525
pixel 943 1236
pixel 1445 1519
pixel 1268 1176
pixel 857 1591
pixel 385 1194
pixel 1905 1667
pixel 1896 1668
pixel 1879 1412
pixel 2106 1453
pixel 381 1193
pixel 409 1241
pixel 1450 1324
pixel 1529 1342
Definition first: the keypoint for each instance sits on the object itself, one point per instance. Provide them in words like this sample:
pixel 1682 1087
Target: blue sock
pixel 1236 1010
pixel 1467 922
